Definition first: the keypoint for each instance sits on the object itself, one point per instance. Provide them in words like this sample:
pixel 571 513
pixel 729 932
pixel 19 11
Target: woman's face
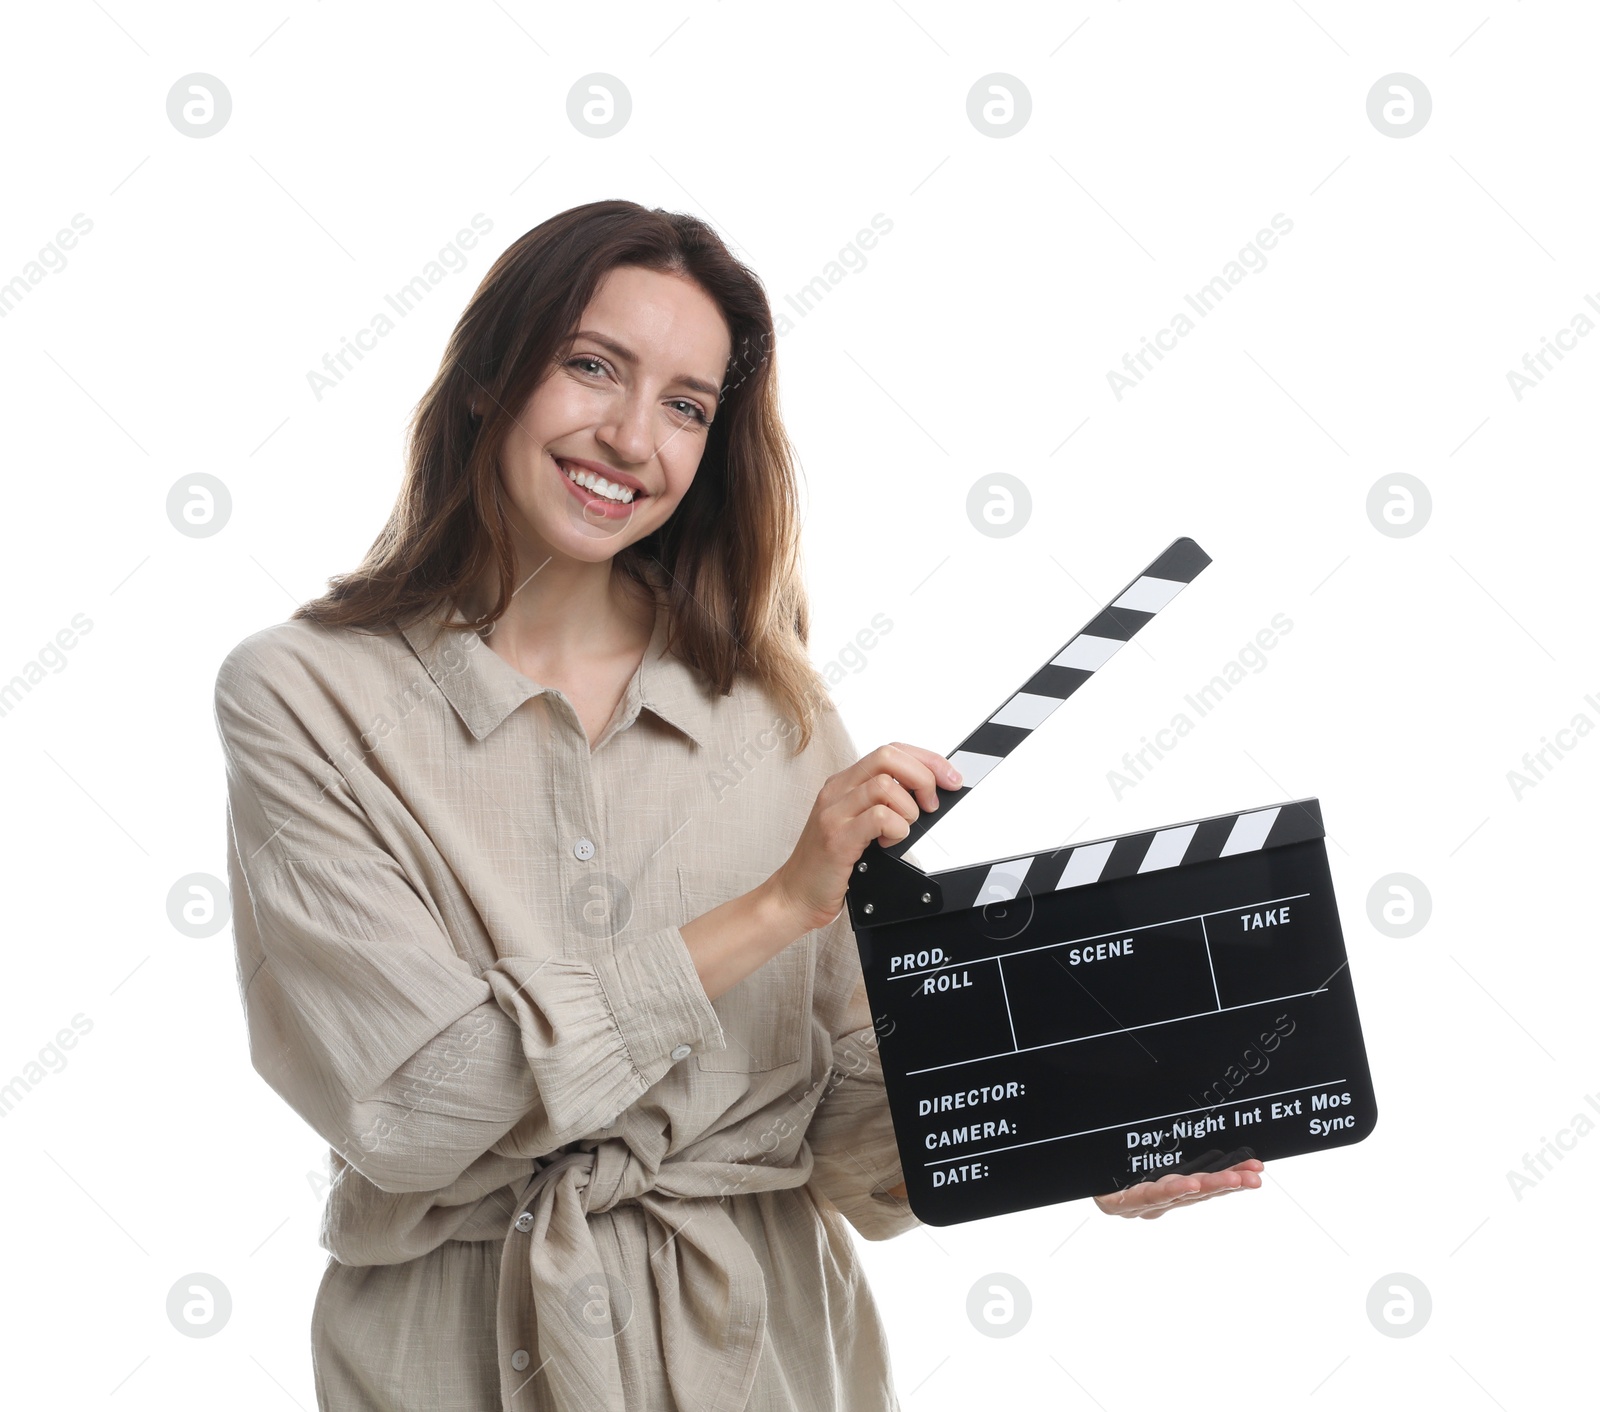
pixel 630 401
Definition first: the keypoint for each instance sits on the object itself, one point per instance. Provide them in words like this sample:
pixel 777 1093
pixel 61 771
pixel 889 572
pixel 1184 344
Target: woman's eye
pixel 600 365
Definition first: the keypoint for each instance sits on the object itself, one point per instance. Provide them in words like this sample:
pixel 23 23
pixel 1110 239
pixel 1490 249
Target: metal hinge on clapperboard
pixel 1069 1023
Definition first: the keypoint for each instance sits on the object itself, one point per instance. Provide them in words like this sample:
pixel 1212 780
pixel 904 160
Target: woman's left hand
pixel 1148 1200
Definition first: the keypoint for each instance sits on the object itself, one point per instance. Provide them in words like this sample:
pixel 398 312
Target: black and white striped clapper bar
pixel 1070 1023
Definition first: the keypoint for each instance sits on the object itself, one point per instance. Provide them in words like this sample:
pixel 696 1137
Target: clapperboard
pixel 1070 1023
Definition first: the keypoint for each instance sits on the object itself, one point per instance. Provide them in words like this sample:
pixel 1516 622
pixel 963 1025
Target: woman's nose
pixel 628 430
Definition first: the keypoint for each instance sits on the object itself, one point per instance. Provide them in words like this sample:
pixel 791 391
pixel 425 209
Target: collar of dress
pixel 484 688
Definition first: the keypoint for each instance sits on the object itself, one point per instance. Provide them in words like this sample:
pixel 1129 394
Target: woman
pixel 540 826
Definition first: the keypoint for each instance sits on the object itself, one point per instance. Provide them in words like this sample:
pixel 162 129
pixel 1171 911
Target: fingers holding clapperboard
pixel 875 799
pixel 1144 1019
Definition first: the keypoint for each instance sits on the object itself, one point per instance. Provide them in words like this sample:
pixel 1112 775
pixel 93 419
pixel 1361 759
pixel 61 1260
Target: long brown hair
pixel 728 557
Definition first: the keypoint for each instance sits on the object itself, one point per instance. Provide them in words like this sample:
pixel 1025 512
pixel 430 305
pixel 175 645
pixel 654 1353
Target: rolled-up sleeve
pixel 369 1021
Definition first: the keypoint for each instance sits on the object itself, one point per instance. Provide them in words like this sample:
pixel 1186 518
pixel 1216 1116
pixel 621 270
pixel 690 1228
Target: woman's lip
pixel 592 503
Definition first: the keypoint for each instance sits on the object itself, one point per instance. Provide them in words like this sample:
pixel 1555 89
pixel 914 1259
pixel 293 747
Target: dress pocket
pixel 766 1017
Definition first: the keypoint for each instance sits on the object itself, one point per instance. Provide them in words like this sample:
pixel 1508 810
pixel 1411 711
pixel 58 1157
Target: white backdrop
pixel 1440 631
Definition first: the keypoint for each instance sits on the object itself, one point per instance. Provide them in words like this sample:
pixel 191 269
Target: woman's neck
pixel 564 615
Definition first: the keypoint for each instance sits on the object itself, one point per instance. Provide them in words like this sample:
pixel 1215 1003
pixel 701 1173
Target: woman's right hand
pixel 878 797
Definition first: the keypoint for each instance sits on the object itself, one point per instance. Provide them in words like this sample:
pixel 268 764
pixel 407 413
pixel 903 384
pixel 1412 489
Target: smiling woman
pixel 476 951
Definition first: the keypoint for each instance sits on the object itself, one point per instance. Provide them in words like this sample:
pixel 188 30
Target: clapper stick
pixel 1089 649
pixel 885 883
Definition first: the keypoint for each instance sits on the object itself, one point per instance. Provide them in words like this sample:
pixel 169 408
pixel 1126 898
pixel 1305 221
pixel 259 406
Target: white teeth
pixel 622 494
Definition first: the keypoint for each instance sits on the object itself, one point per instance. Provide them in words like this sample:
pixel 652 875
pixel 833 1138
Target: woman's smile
pixel 615 501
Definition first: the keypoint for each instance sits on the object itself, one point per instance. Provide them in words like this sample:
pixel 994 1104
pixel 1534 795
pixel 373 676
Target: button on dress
pixel 563 1179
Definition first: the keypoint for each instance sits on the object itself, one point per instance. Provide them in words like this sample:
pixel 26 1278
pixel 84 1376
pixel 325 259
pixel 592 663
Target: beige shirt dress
pixel 563 1179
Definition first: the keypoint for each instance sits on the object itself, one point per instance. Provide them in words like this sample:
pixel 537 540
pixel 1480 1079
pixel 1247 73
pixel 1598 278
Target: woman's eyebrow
pixel 628 356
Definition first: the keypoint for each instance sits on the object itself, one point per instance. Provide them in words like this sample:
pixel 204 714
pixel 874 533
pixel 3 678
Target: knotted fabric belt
pixel 709 1286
